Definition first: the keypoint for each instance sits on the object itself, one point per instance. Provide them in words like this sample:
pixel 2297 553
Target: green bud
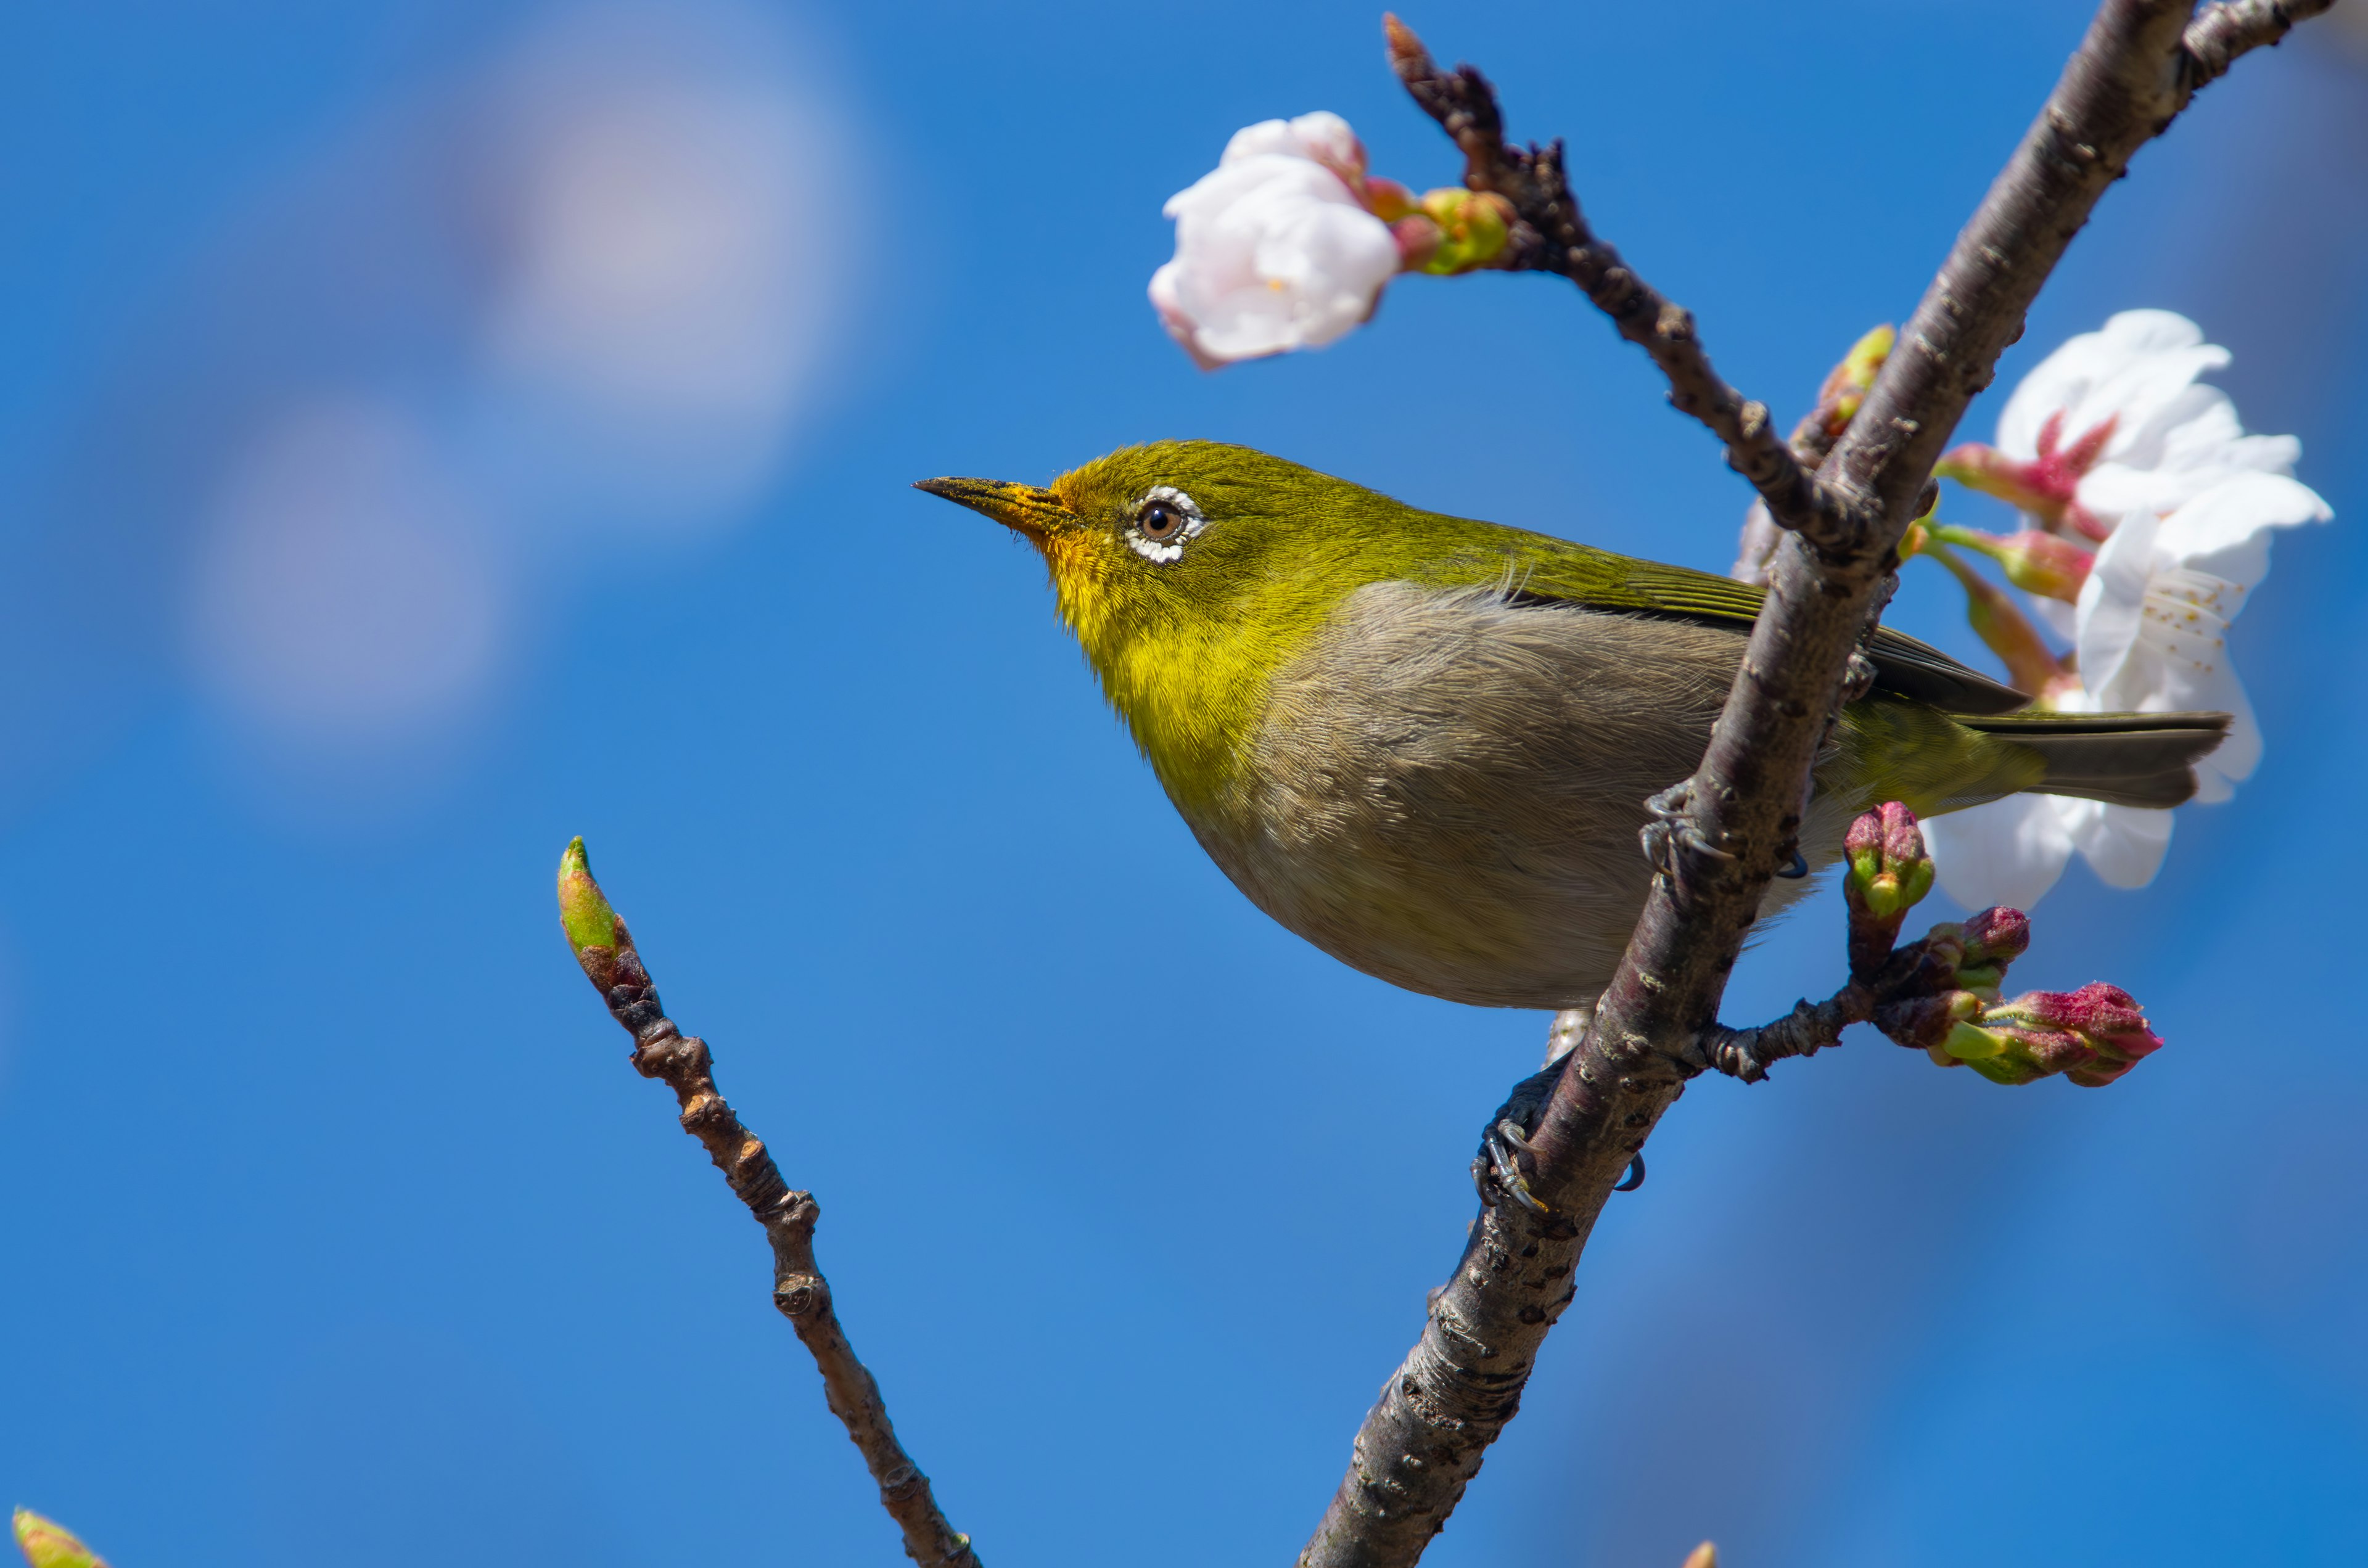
pixel 1846 386
pixel 584 913
pixel 49 1545
pixel 1473 228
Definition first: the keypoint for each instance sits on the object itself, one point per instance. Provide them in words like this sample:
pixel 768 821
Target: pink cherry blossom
pixel 1278 248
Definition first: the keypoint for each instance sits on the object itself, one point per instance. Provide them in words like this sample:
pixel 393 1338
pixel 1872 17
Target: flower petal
pixel 2113 601
pixel 2150 332
pixel 2124 845
pixel 2221 530
pixel 2132 372
pixel 2218 775
pixel 1322 137
pixel 2006 852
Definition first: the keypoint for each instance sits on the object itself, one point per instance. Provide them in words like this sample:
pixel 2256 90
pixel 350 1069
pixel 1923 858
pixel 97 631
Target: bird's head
pixel 1191 571
pixel 1157 537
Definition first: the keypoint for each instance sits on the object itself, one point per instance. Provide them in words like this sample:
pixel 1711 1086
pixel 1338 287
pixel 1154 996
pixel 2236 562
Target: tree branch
pixel 605 948
pixel 1734 825
pixel 2222 32
pixel 1551 235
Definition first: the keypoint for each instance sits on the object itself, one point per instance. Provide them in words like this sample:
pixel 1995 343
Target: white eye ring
pixel 1168 545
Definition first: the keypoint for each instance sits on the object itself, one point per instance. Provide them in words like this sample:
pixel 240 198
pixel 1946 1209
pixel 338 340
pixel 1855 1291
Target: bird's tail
pixel 2123 759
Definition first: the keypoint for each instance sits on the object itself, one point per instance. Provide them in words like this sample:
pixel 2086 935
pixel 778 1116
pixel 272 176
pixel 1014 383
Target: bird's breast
pixel 1443 788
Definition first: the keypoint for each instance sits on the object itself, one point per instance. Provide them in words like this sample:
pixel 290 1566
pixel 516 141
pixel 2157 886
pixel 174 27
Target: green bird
pixel 1426 744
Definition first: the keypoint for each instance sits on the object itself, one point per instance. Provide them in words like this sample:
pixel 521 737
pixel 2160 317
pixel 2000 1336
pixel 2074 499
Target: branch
pixel 605 948
pixel 2222 32
pixel 1551 235
pixel 1727 831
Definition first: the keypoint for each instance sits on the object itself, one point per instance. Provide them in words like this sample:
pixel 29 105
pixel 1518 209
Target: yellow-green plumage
pixel 1424 742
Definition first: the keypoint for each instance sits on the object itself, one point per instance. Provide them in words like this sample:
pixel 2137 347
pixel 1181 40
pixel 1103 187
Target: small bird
pixel 1426 744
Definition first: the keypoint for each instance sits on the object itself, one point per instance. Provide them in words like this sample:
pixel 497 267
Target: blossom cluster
pixel 2147 515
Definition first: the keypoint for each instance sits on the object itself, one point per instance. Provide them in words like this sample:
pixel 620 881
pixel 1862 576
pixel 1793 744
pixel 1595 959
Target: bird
pixel 1427 743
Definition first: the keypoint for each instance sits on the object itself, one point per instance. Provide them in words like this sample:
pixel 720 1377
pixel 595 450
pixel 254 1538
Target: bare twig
pixel 605 948
pixel 1735 823
pixel 1551 235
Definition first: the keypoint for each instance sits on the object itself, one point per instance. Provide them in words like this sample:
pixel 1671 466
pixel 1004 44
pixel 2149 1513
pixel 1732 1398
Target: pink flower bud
pixel 1888 868
pixel 2092 1036
pixel 1418 237
pixel 1887 872
pixel 1387 199
pixel 1997 936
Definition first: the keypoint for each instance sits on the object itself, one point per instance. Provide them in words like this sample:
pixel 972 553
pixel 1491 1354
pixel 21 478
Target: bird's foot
pixel 1509 1157
pixel 1858 678
pixel 1671 835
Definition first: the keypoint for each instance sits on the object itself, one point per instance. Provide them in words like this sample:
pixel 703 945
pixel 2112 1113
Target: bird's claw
pixel 1858 678
pixel 1508 1152
pixel 1670 831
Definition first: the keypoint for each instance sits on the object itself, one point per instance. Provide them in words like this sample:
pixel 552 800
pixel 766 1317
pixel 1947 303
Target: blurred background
pixel 428 430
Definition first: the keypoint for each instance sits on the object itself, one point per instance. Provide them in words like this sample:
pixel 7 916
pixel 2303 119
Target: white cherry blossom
pixel 2115 422
pixel 2151 631
pixel 1277 248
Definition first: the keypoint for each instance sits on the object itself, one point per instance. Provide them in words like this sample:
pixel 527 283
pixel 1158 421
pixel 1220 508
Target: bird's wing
pixel 1576 574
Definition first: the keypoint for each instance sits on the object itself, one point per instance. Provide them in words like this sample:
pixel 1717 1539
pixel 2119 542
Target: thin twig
pixel 1734 824
pixel 1551 235
pixel 681 1062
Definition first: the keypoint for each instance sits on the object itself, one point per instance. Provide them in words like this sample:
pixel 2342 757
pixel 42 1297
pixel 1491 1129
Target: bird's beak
pixel 1023 508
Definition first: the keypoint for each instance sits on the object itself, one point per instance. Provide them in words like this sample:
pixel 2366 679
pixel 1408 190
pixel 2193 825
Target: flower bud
pixel 1996 936
pixel 1418 237
pixel 1845 386
pixel 1887 873
pixel 1888 868
pixel 1473 224
pixel 1387 199
pixel 49 1545
pixel 1925 1023
pixel 1974 955
pixel 584 911
pixel 2036 563
pixel 2092 1036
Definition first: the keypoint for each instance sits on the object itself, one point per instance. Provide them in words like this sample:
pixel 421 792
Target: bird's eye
pixel 1163 520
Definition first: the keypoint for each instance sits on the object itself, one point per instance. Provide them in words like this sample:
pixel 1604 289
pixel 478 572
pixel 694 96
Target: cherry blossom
pixel 2111 438
pixel 1278 248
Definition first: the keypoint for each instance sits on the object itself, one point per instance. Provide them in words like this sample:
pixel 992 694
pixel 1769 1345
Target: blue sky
pixel 361 557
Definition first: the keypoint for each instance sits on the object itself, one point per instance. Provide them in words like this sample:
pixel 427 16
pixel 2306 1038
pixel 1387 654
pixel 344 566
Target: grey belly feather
pixel 1449 788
